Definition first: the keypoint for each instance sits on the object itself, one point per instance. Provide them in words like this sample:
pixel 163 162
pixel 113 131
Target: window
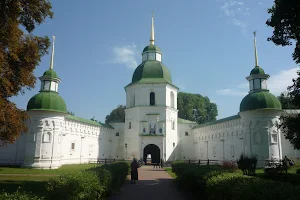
pixel 129 125
pixel 47 85
pixel 152 99
pixel 52 87
pixel 251 85
pixel 73 146
pixel 151 56
pixel 117 134
pixel 257 84
pixel 264 84
pixel 144 57
pixel 172 99
pixel 158 57
pixel 173 125
pixel 47 137
pixel 274 137
pixel 186 134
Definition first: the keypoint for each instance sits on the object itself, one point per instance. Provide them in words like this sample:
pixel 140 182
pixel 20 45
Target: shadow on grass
pixel 36 187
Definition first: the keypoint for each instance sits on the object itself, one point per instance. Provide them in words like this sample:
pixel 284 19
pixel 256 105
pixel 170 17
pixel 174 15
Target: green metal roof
pixel 50 73
pixel 260 100
pixel 218 121
pixel 257 70
pixel 151 71
pixel 152 47
pixel 47 101
pixel 88 121
pixel 184 121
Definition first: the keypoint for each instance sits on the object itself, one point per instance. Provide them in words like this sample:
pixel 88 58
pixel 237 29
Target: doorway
pixel 154 152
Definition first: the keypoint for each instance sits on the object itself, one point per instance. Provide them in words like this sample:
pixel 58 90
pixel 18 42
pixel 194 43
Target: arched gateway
pixel 154 151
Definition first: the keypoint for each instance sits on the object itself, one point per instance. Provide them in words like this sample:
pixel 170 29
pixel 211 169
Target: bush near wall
pixel 95 183
pixel 214 183
pixel 238 186
pixel 18 196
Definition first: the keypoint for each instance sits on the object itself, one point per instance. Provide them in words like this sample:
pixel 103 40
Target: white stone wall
pixel 221 141
pixel 186 142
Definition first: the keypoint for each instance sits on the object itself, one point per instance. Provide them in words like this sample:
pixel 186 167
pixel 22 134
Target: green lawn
pixel 62 170
pixel 33 180
pixel 169 170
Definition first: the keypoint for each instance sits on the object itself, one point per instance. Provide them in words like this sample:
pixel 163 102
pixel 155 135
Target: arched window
pixel 172 99
pixel 186 134
pixel 152 99
pixel 47 137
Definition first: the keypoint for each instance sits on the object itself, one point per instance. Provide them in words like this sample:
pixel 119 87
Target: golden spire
pixel 52 53
pixel 255 50
pixel 152 30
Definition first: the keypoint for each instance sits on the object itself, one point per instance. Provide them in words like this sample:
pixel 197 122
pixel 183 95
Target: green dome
pixel 47 101
pixel 260 100
pixel 50 73
pixel 152 71
pixel 257 70
pixel 151 47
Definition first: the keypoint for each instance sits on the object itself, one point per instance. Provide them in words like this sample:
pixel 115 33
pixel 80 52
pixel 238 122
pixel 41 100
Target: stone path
pixel 154 184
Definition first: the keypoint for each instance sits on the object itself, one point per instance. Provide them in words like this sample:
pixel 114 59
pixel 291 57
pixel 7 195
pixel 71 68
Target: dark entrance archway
pixel 154 151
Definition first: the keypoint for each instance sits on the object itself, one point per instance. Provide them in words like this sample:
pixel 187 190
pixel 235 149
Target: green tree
pixel 286 101
pixel 20 53
pixel 285 21
pixel 195 107
pixel 117 114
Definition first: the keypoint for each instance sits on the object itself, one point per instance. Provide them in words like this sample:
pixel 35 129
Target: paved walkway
pixel 154 184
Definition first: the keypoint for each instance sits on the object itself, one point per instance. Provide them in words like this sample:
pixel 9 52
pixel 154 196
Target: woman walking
pixel 134 170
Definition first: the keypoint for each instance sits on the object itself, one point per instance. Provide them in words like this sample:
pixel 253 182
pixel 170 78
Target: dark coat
pixel 134 170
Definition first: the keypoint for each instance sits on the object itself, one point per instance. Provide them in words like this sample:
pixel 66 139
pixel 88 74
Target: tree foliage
pixel 117 114
pixel 286 101
pixel 195 107
pixel 290 124
pixel 20 53
pixel 285 21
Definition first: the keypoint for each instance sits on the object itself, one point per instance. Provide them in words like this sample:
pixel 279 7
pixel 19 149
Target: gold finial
pixel 152 30
pixel 255 50
pixel 52 53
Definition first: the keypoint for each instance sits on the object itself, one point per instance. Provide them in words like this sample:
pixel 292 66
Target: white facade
pixel 151 127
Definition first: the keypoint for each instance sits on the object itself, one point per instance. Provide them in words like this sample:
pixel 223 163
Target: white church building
pixel 151 125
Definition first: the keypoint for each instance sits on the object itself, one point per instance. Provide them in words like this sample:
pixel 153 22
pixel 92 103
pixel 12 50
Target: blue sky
pixel 207 45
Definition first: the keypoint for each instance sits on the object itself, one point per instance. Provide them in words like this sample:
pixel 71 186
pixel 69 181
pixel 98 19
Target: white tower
pixel 151 108
pixel 260 111
pixel 46 110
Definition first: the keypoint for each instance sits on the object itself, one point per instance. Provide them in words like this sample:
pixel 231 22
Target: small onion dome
pixel 257 70
pixel 151 48
pixel 50 73
pixel 260 100
pixel 152 71
pixel 47 101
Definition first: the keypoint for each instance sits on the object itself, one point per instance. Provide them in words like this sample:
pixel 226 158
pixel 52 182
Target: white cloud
pixel 276 84
pixel 126 55
pixel 236 11
pixel 279 82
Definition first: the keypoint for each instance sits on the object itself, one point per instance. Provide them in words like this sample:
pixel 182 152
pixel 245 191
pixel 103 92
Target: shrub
pixel 119 172
pixel 298 171
pixel 80 185
pixel 229 165
pixel 237 186
pixel 247 164
pixel 18 195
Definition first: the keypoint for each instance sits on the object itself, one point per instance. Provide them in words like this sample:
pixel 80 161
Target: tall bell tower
pixel 151 108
